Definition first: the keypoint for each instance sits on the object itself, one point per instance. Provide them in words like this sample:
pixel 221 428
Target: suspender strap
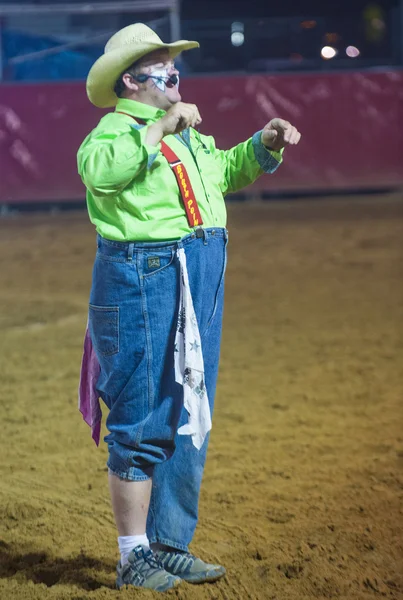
pixel 185 187
pixel 182 178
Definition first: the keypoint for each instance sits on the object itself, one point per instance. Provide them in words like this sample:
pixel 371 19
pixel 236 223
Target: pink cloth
pixel 88 397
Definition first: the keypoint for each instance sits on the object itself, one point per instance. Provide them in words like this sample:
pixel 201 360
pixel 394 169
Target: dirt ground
pixel 303 489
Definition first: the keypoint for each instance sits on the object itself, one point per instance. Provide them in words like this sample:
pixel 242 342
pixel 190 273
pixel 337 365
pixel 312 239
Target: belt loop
pixel 130 251
pixel 175 250
pixel 205 235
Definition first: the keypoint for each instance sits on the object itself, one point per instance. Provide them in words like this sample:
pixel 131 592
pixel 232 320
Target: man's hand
pixel 279 133
pixel 179 117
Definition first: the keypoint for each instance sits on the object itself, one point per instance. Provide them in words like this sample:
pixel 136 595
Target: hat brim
pixel 106 70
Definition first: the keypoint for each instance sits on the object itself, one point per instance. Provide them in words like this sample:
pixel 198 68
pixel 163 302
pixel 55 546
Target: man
pixel 155 190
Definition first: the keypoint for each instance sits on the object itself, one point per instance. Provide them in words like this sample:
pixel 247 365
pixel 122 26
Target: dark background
pixel 278 36
pixel 343 105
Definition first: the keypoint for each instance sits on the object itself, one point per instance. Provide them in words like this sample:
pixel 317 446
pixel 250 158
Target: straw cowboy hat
pixel 123 49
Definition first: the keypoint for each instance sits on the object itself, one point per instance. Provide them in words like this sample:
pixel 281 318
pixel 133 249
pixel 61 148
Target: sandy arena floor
pixel 303 490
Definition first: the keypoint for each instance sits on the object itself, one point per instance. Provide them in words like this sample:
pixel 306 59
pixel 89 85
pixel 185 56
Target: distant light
pixel 328 52
pixel 237 38
pixel 237 26
pixel 308 24
pixel 352 51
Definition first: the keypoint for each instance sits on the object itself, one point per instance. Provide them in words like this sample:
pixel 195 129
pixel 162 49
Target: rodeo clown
pixel 155 193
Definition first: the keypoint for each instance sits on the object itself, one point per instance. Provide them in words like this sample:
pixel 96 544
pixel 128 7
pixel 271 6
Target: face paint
pixel 161 79
pixel 162 75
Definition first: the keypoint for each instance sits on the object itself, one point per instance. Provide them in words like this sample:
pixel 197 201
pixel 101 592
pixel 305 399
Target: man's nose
pixel 173 70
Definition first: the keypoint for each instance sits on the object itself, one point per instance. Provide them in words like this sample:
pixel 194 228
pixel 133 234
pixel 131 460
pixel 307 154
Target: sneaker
pixel 188 567
pixel 143 569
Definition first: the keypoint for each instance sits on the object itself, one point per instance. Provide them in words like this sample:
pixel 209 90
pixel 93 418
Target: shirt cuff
pixel 151 151
pixel 269 160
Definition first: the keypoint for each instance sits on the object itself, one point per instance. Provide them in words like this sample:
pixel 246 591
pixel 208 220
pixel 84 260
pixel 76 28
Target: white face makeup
pixel 158 90
pixel 161 79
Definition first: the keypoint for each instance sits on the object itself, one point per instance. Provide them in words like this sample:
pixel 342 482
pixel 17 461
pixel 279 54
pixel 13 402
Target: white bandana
pixel 189 364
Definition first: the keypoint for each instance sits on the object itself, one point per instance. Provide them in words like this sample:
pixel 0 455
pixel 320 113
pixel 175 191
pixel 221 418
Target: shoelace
pixel 149 562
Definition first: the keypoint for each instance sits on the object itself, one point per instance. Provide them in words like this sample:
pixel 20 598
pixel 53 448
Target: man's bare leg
pixel 130 502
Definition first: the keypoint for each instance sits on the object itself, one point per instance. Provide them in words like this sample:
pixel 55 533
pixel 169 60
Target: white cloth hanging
pixel 189 364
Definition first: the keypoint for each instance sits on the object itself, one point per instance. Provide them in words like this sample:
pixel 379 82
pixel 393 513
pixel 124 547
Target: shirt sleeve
pixel 243 164
pixel 269 160
pixel 109 160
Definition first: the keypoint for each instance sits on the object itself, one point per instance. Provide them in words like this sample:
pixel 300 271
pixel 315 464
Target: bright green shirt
pixel 132 192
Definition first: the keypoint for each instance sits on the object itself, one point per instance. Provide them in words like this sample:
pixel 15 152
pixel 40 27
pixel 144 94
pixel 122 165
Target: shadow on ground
pixel 42 568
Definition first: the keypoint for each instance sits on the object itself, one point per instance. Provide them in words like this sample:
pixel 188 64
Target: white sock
pixel 128 542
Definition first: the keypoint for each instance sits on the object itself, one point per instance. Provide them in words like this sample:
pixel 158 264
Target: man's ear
pixel 129 82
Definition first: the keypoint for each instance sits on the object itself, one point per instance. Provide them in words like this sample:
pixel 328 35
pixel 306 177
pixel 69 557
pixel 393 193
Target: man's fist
pixel 279 133
pixel 179 117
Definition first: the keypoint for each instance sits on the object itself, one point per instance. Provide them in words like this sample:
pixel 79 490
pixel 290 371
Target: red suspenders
pixel 182 177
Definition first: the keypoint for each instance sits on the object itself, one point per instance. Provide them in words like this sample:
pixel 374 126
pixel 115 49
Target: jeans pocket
pixel 155 262
pixel 103 322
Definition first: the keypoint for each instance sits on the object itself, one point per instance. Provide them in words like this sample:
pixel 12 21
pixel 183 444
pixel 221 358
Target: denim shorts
pixel 133 313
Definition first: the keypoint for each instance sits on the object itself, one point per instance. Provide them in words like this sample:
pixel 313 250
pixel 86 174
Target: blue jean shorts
pixel 133 313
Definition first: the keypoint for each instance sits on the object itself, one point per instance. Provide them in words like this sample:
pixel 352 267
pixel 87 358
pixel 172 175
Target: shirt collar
pixel 139 109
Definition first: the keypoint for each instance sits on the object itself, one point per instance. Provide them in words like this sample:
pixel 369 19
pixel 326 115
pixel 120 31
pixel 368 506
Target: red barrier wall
pixel 351 125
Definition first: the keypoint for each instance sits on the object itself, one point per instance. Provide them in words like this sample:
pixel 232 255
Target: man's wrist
pixel 266 145
pixel 155 133
pixel 270 148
